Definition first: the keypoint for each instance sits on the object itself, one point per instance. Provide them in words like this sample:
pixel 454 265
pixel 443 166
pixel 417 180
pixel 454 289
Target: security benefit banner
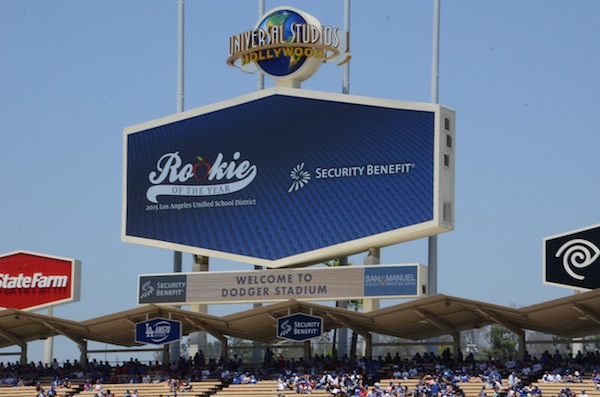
pixel 323 283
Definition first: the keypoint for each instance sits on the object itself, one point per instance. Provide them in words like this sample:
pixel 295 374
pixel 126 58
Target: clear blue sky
pixel 521 75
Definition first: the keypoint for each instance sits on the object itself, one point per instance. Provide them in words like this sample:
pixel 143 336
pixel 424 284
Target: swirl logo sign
pixel 577 254
pixel 571 259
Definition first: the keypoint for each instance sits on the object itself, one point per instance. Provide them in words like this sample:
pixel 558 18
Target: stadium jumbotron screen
pixel 286 177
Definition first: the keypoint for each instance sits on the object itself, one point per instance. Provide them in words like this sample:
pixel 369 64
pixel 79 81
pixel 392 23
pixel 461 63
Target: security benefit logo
pixel 162 289
pixel 573 259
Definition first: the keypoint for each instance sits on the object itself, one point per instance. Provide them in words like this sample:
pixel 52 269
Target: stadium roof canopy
pixel 573 316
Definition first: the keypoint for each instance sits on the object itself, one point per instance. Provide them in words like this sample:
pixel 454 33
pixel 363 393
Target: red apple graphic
pixel 201 168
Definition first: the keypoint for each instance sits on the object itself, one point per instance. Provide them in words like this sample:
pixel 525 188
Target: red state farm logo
pixel 29 281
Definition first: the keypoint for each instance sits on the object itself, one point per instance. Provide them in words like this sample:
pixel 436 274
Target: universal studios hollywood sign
pixel 199 182
pixel 288 44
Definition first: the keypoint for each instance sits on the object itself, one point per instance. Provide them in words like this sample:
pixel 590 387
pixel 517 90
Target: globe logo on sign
pixel 288 45
pixel 290 61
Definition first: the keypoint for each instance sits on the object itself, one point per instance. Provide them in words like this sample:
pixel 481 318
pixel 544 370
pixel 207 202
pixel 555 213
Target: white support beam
pixel 505 323
pixel 436 322
pixel 586 313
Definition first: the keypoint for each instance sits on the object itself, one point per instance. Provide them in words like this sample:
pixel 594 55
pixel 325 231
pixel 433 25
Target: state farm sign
pixel 32 281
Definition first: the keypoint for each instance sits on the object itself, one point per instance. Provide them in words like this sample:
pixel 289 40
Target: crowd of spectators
pixel 425 374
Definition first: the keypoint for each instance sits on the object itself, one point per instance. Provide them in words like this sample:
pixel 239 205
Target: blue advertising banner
pixel 158 331
pixel 299 327
pixel 278 178
pixel 383 281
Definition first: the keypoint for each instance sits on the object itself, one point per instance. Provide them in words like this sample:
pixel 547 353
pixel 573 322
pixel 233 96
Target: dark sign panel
pixel 573 259
pixel 285 177
pixel 158 331
pixel 299 327
pixel 162 289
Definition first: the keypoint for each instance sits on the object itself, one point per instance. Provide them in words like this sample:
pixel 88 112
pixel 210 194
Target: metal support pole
pixel 177 256
pixel 180 57
pixel 342 342
pixel 198 341
pixel 258 347
pixel 342 334
pixel 260 79
pixel 432 267
pixel 49 343
pixel 370 304
pixel 435 56
pixel 346 66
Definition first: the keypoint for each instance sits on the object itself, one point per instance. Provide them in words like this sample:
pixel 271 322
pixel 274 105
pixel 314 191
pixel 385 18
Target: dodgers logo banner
pixel 158 331
pixel 573 259
pixel 284 177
